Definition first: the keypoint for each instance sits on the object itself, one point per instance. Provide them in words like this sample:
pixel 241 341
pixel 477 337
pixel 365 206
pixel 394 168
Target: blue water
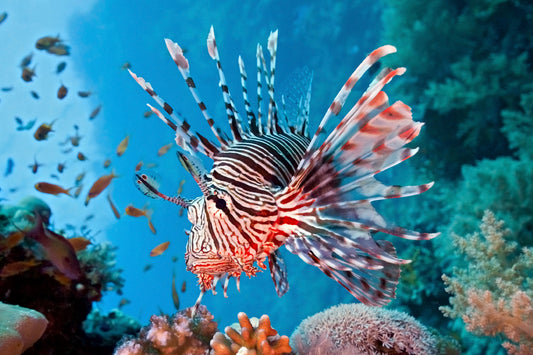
pixel 103 35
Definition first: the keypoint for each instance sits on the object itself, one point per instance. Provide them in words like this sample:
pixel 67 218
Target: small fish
pixel 84 93
pixel 9 167
pixel 123 145
pixel 17 267
pixel 60 67
pixel 7 88
pixel 11 240
pixel 164 149
pixel 107 163
pixel 3 17
pixel 24 127
pixel 89 217
pixel 79 243
pixel 26 60
pixel 59 49
pixel 60 167
pixel 62 92
pixel 42 132
pixel 34 95
pixel 123 302
pixel 147 113
pixel 77 192
pixel 79 178
pixel 75 140
pixel 28 74
pixel 113 207
pixel 184 286
pixel 174 259
pixel 180 187
pixel 95 112
pixel 160 249
pixel 147 267
pixel 35 166
pixel 57 249
pixel 51 189
pixel 125 66
pixel 136 212
pixel 46 42
pixel 139 166
pixel 99 186
pixel 54 176
pixel 175 297
pixel 81 156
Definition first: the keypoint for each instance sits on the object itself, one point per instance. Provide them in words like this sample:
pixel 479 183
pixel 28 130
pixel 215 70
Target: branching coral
pixel 181 334
pixel 255 336
pixel 493 293
pixel 360 329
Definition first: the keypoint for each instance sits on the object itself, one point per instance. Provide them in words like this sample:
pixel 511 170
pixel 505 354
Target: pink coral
pixel 493 293
pixel 360 329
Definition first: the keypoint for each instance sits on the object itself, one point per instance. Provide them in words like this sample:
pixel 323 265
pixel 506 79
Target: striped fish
pixel 274 185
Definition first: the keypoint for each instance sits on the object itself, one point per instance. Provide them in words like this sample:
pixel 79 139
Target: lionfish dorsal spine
pixel 183 65
pixel 343 94
pixel 233 116
pixel 252 122
pixel 259 54
pixel 190 142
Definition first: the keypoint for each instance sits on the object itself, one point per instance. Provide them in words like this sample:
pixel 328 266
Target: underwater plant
pixel 492 294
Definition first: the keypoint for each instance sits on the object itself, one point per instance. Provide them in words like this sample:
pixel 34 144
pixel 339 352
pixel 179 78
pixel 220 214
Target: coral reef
pixel 250 337
pixel 492 294
pixel 360 329
pixel 180 334
pixel 40 270
pixel 19 328
pixel 108 329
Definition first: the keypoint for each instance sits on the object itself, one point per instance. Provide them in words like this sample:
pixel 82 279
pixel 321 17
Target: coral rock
pixel 19 328
pixel 255 337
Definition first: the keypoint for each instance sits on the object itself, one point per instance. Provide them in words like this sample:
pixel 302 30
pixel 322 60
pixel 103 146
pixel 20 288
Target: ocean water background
pixel 103 35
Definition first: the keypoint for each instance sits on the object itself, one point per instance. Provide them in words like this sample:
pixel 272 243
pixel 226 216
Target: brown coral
pixel 260 339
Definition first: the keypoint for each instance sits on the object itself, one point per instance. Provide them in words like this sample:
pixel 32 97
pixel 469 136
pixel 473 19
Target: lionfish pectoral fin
pixel 278 271
pixel 373 285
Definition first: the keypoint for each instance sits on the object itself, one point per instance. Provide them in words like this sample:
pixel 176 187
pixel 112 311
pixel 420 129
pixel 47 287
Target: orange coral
pixel 259 340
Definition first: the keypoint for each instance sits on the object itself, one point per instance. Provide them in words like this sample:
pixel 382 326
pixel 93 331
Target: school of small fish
pixel 59 250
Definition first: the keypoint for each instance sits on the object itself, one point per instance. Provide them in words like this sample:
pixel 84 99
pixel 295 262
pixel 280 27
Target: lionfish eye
pixel 220 203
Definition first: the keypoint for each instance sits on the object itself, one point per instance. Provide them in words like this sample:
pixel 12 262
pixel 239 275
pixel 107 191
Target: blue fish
pixel 9 167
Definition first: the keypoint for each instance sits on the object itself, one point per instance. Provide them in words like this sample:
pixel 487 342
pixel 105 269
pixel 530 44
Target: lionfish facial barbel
pixel 273 185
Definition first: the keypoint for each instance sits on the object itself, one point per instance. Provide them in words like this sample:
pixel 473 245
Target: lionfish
pixel 272 184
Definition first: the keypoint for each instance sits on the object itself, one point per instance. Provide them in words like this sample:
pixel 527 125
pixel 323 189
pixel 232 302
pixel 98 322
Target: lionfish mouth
pixel 214 267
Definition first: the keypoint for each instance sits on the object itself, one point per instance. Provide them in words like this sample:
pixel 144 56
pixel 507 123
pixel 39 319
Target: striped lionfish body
pixel 272 185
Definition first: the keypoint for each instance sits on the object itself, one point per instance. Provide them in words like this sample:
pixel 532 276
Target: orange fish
pixel 136 212
pixel 139 166
pixel 123 146
pixel 183 286
pixel 42 132
pixel 11 240
pixel 81 156
pixel 17 267
pixel 35 166
pixel 62 92
pixel 78 191
pixel 158 250
pixel 47 42
pixel 123 302
pixel 51 189
pixel 80 177
pixel 99 186
pixel 28 74
pixel 115 210
pixel 56 249
pixel 95 112
pixel 180 187
pixel 164 149
pixel 60 167
pixel 175 297
pixel 79 243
